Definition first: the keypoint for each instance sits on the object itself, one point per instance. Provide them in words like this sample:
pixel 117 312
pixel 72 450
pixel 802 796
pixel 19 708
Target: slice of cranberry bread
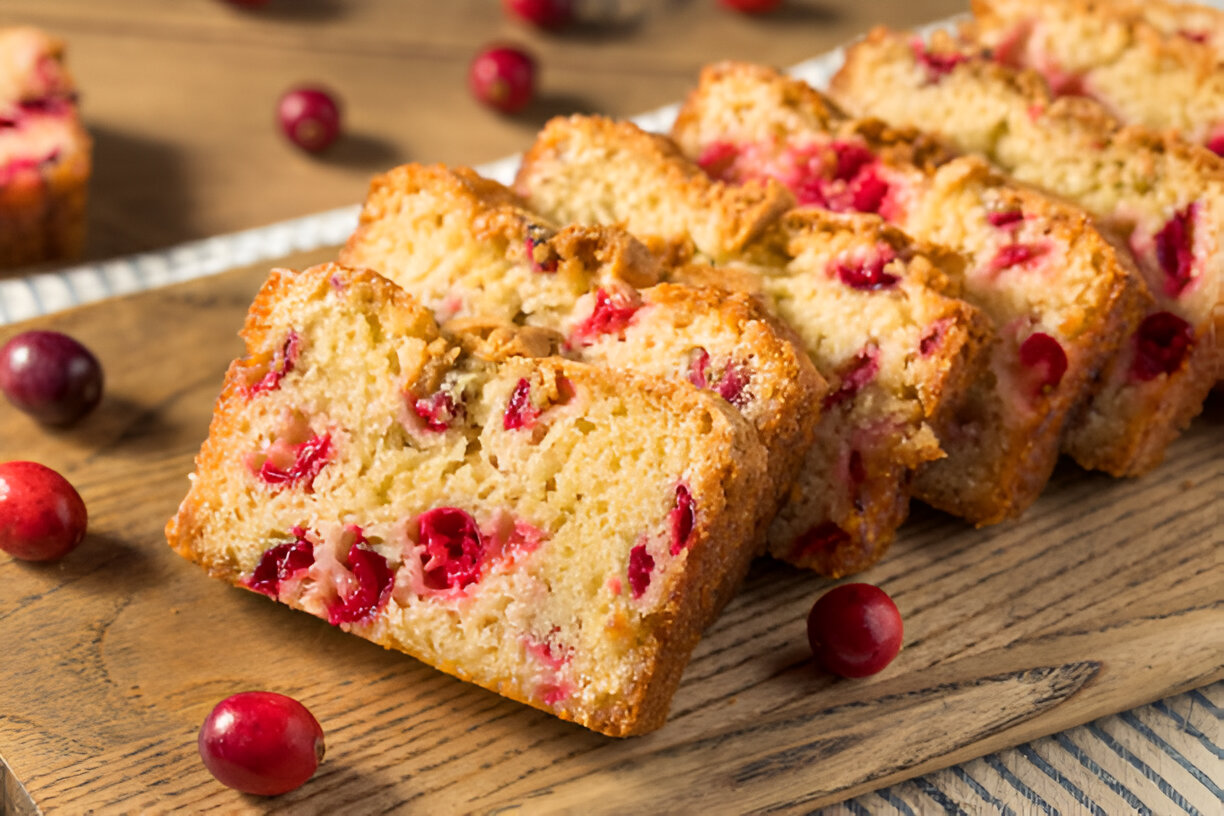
pixel 1062 298
pixel 561 537
pixel 468 248
pixel 1107 50
pixel 1163 197
pixel 44 152
pixel 869 305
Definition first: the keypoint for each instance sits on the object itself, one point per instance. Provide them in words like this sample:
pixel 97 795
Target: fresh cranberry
pixel 869 275
pixel 310 117
pixel 731 386
pixel 453 550
pixel 867 192
pixel 1161 344
pixel 1045 361
pixel 438 410
pixel 503 77
pixel 283 363
pixel 610 315
pixel 50 376
pixel 1216 144
pixel 520 413
pixel 752 6
pixel 1175 250
pixel 822 539
pixel 1005 218
pixel 640 567
pixel 550 14
pixel 261 742
pixel 546 267
pixel 717 159
pixel 374 580
pixel 280 563
pixel 682 519
pixel 1015 255
pixel 308 460
pixel 697 368
pixel 855 630
pixel 853 186
pixel 860 370
pixel 42 516
pixel 937 65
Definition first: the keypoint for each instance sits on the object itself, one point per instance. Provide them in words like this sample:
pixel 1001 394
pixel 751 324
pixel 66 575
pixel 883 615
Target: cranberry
pixel 640 567
pixel 550 262
pixel 1005 218
pixel 752 6
pixel 503 77
pixel 853 186
pixel 682 518
pixel 374 580
pixel 1015 255
pixel 42 516
pixel 1161 344
pixel 308 460
pixel 520 413
pixel 261 742
pixel 717 159
pixel 933 337
pixel 822 539
pixel 50 376
pixel 937 65
pixel 860 370
pixel 438 410
pixel 1216 144
pixel 453 550
pixel 869 275
pixel 282 363
pixel 1045 361
pixel 543 13
pixel 610 315
pixel 310 117
pixel 867 192
pixel 1175 250
pixel 855 630
pixel 731 386
pixel 280 563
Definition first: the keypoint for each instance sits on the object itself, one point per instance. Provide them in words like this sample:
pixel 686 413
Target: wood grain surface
pixel 1106 595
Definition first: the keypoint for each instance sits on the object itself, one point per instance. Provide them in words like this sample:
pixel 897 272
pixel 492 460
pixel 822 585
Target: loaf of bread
pixel 1111 51
pixel 877 315
pixel 554 532
pixel 44 152
pixel 470 249
pixel 1161 196
pixel 1062 298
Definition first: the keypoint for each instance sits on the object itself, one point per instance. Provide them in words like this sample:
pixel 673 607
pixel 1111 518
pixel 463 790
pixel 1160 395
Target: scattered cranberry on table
pixel 42 516
pixel 310 117
pixel 503 77
pixel 50 376
pixel 261 742
pixel 752 6
pixel 855 630
pixel 550 14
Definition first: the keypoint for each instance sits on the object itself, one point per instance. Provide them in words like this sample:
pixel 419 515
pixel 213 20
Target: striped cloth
pixel 1164 758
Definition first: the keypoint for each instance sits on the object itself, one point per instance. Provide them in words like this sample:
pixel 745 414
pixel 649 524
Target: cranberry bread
pixel 1161 196
pixel 468 248
pixel 44 152
pixel 561 539
pixel 1107 50
pixel 870 307
pixel 1062 298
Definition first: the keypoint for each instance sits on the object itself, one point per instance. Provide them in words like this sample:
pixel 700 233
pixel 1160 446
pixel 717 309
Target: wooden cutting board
pixel 1107 595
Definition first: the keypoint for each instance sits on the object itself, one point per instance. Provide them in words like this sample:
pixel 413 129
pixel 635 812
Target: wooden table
pixel 180 94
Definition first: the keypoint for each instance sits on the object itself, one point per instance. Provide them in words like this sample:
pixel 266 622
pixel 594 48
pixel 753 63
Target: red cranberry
pixel 374 580
pixel 42 516
pixel 751 6
pixel 310 117
pixel 860 370
pixel 1216 144
pixel 438 410
pixel 543 13
pixel 933 337
pixel 1175 250
pixel 1005 218
pixel 682 519
pixel 280 563
pixel 1161 344
pixel 822 539
pixel 545 267
pixel 1015 255
pixel 937 65
pixel 869 275
pixel 282 364
pixel 640 566
pixel 520 413
pixel 610 316
pixel 1044 359
pixel 503 77
pixel 308 460
pixel 50 376
pixel 717 159
pixel 854 630
pixel 453 550
pixel 261 742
